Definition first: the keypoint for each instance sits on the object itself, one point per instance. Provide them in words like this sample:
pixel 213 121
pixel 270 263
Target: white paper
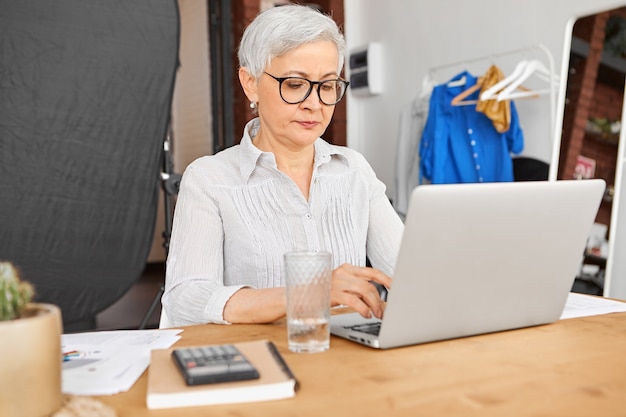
pixel 582 305
pixel 105 363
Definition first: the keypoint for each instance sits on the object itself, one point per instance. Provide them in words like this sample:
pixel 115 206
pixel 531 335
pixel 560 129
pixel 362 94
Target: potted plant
pixel 30 350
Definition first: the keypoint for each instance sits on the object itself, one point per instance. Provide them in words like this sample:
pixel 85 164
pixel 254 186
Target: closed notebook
pixel 167 388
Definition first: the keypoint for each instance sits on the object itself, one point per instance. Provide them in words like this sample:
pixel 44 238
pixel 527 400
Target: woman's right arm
pixel 252 305
pixel 194 284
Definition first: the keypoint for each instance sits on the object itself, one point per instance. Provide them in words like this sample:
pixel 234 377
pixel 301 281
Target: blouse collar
pixel 251 156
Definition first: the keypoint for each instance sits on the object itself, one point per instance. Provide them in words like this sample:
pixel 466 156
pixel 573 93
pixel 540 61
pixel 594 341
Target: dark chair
pixel 85 95
pixel 530 169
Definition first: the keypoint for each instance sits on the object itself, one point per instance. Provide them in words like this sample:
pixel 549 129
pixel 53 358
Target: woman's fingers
pixel 364 300
pixel 352 287
pixel 369 274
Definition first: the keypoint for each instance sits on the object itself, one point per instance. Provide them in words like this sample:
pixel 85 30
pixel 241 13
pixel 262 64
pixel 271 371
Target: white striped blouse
pixel 237 214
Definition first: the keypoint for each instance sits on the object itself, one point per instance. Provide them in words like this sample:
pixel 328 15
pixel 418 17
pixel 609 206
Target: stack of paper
pixel 105 363
pixel 582 305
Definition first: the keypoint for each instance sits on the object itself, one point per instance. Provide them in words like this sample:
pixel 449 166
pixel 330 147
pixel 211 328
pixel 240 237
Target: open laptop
pixel 481 258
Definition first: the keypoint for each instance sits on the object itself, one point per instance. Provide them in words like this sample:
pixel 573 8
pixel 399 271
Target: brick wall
pixel 243 12
pixel 593 91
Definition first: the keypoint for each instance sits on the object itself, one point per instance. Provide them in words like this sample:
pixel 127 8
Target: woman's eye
pixel 296 84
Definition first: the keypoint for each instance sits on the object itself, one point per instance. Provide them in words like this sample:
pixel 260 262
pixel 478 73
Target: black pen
pixel 281 361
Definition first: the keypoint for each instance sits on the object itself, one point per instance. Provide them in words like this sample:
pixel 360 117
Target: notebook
pixel 167 388
pixel 482 258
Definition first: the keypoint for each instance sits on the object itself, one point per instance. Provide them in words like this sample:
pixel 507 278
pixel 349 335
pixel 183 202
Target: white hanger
pixel 492 91
pixel 457 83
pixel 427 86
pixel 533 67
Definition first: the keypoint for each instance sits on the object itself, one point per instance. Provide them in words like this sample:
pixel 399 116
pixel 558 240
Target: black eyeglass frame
pixel 311 85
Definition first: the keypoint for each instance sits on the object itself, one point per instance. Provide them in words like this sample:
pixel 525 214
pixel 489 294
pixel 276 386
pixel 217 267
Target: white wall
pixel 419 34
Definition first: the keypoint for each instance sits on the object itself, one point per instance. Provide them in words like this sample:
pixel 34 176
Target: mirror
pixel 590 136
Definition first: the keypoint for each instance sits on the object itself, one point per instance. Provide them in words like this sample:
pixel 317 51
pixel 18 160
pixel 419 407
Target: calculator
pixel 213 364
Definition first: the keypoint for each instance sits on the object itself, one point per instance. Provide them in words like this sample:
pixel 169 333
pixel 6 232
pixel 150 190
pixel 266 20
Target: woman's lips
pixel 308 124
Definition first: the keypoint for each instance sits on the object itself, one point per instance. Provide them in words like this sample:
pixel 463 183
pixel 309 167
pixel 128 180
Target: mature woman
pixel 283 188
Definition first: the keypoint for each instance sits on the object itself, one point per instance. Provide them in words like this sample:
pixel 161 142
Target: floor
pixel 130 311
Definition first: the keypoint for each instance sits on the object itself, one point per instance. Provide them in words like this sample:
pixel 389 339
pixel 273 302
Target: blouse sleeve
pixel 385 228
pixel 194 286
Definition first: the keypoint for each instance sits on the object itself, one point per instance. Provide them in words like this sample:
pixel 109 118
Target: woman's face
pixel 296 125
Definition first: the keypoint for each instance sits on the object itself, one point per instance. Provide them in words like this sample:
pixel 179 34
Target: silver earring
pixel 252 105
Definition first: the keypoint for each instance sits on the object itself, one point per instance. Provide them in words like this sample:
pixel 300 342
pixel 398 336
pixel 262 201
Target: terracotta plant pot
pixel 30 363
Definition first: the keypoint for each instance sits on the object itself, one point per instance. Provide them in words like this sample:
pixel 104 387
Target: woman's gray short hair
pixel 278 30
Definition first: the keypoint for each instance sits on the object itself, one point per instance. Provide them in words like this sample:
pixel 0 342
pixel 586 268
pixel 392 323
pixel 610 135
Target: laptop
pixel 481 258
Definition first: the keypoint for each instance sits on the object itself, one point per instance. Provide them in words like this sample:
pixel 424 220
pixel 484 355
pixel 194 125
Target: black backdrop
pixel 85 95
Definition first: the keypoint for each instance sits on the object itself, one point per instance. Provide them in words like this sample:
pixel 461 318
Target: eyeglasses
pixel 294 90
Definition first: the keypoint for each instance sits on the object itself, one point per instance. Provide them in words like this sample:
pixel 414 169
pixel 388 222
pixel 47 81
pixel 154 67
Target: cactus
pixel 14 293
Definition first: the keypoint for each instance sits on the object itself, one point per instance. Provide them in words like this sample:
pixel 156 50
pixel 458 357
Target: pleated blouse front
pixel 237 214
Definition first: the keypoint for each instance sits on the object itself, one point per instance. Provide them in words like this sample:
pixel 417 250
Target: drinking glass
pixel 308 278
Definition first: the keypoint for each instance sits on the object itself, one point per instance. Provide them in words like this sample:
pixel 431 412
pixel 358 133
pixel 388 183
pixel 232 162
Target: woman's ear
pixel 249 85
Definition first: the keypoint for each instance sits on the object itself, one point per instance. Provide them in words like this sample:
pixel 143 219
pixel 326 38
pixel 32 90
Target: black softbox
pixel 85 95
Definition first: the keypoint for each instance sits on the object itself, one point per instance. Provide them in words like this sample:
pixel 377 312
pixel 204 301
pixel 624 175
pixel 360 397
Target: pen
pixel 281 361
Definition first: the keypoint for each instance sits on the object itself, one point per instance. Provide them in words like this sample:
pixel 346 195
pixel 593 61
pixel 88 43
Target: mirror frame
pixel 613 286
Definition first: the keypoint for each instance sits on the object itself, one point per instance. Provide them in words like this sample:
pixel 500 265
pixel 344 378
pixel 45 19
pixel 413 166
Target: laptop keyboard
pixel 369 328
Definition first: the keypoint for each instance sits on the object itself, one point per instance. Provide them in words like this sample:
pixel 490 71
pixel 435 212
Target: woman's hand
pixel 351 286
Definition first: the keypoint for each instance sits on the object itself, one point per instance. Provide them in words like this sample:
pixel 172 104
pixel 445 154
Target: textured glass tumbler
pixel 308 277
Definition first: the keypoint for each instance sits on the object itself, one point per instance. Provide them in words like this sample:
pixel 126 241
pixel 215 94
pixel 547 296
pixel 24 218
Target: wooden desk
pixel 573 367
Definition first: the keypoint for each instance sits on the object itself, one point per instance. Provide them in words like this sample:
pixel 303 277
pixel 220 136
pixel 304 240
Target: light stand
pixel 170 184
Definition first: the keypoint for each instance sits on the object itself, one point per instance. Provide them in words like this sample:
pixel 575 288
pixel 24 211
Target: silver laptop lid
pixel 479 258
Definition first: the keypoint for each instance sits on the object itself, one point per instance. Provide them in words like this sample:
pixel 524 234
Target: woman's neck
pixel 296 163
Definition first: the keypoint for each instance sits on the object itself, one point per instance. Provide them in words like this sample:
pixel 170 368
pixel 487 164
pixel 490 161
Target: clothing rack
pixel 532 49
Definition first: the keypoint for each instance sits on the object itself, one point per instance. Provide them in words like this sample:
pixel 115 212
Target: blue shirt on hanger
pixel 461 145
